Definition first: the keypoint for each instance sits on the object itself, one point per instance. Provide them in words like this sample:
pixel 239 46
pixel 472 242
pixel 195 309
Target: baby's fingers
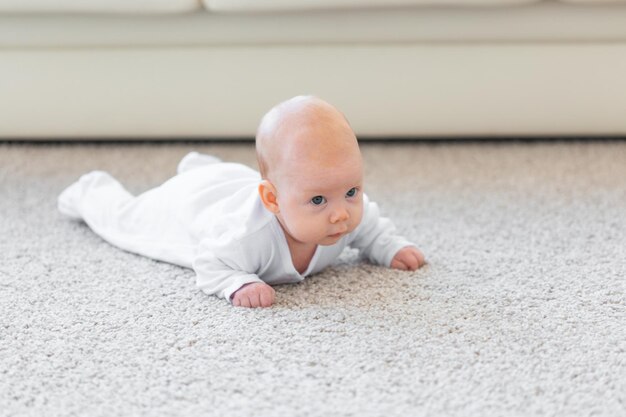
pixel 255 300
pixel 236 300
pixel 267 298
pixel 244 301
pixel 398 264
pixel 411 261
pixel 420 258
pixel 262 298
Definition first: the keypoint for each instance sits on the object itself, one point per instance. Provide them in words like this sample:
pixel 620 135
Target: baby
pixel 242 232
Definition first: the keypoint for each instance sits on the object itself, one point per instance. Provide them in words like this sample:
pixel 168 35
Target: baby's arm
pixel 227 271
pixel 376 239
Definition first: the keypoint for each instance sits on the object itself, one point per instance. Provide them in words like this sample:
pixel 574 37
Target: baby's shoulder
pixel 250 245
pixel 246 221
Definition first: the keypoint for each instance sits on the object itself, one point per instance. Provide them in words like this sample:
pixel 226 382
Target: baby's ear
pixel 267 191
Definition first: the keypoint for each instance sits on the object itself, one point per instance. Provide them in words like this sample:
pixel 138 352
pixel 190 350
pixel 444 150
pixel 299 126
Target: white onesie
pixel 210 218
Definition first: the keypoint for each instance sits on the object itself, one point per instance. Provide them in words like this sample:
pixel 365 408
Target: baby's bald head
pixel 303 130
pixel 312 171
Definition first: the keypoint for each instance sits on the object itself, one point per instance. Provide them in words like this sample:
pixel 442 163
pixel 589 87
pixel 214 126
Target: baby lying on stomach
pixel 243 231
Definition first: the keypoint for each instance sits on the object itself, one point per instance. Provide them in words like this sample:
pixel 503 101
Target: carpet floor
pixel 521 310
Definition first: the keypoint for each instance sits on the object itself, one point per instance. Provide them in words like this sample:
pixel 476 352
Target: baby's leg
pixel 93 196
pixel 195 160
pixel 145 224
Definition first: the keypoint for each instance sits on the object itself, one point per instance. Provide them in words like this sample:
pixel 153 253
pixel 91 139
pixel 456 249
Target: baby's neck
pixel 301 253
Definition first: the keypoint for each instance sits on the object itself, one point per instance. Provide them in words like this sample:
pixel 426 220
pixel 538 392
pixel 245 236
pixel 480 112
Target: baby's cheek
pixel 357 218
pixel 311 227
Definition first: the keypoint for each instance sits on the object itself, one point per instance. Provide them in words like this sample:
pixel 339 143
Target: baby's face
pixel 320 202
pixel 310 156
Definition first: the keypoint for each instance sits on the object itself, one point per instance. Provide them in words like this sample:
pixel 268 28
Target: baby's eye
pixel 352 192
pixel 318 200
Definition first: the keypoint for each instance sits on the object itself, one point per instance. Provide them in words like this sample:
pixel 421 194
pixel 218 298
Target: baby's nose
pixel 340 215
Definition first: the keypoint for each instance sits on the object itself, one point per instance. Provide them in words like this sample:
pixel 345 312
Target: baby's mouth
pixel 336 235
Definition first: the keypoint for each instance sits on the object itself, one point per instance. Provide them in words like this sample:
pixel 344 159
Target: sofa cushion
pixel 550 22
pixel 590 2
pixel 291 5
pixel 99 6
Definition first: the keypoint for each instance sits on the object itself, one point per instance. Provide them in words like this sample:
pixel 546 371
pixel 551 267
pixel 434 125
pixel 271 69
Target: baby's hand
pixel 408 259
pixel 255 294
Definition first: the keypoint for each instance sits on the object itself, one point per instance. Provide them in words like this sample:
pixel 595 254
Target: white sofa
pixel 397 68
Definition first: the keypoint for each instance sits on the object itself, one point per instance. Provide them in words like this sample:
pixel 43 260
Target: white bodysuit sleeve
pixel 375 237
pixel 223 268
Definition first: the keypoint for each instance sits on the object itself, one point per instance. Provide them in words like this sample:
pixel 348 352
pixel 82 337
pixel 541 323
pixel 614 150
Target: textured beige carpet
pixel 521 311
